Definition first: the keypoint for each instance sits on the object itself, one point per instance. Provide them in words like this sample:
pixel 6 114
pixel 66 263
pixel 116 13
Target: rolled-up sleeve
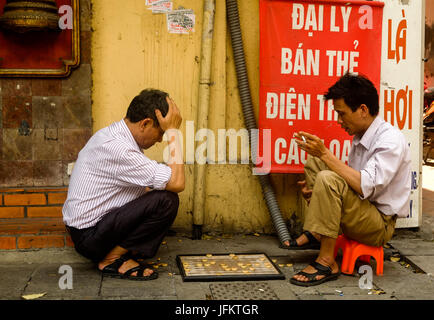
pixel 380 169
pixel 137 169
pixel 162 176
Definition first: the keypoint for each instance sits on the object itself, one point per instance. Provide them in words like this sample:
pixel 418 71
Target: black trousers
pixel 139 225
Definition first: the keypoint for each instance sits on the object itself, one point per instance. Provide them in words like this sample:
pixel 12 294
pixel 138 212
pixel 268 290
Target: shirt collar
pixel 369 135
pixel 124 131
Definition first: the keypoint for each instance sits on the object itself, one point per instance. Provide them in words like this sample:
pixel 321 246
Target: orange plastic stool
pixel 352 250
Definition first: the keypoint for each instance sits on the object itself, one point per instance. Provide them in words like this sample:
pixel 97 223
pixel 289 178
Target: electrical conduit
pixel 249 116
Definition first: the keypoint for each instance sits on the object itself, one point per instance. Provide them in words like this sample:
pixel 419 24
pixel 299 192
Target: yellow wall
pixel 132 50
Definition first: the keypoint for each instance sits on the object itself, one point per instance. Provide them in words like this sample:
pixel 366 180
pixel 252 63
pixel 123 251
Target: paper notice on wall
pixel 181 21
pixel 152 2
pixel 160 6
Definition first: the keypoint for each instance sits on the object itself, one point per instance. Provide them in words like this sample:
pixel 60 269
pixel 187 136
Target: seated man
pixel 120 204
pixel 361 200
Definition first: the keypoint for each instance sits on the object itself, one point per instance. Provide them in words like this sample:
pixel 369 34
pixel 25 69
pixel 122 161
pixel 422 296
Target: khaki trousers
pixel 335 208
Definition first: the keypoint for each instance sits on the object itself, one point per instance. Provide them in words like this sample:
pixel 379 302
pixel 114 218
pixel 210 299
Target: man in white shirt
pixel 361 200
pixel 120 203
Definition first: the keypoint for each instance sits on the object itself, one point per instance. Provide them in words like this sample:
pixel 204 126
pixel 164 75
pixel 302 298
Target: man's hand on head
pixel 173 118
pixel 170 125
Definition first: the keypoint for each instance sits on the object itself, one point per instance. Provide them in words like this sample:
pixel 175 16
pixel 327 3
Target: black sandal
pixel 112 271
pixel 140 269
pixel 312 244
pixel 312 281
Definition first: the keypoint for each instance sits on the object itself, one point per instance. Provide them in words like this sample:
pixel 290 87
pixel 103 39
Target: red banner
pixel 305 47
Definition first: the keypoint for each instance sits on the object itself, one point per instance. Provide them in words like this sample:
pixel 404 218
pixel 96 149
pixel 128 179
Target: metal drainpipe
pixel 249 115
pixel 202 114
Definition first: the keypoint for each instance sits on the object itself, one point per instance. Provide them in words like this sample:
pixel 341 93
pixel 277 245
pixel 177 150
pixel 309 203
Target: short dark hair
pixel 355 90
pixel 144 105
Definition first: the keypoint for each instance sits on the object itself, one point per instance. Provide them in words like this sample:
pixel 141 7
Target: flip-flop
pixel 312 244
pixel 111 270
pixel 312 281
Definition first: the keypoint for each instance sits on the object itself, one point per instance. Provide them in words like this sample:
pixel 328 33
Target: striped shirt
pixel 111 170
pixel 382 156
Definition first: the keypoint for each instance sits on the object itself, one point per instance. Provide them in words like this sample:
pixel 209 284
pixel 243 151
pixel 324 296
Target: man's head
pixel 144 105
pixel 141 117
pixel 355 99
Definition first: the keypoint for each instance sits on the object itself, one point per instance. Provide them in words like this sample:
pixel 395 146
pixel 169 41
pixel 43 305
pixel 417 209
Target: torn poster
pixel 181 21
pixel 160 6
pixel 152 2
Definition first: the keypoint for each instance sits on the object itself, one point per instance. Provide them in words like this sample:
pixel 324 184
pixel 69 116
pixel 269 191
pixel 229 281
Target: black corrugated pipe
pixel 249 116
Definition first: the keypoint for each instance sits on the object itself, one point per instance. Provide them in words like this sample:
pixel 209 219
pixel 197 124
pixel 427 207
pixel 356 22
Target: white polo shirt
pixel 111 170
pixel 382 156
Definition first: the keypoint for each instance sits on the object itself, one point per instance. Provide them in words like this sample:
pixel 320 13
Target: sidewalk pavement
pixel 408 270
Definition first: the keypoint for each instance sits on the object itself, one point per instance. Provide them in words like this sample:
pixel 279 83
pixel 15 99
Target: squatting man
pixel 362 199
pixel 120 203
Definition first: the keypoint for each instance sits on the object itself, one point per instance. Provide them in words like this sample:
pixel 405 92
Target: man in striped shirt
pixel 120 203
